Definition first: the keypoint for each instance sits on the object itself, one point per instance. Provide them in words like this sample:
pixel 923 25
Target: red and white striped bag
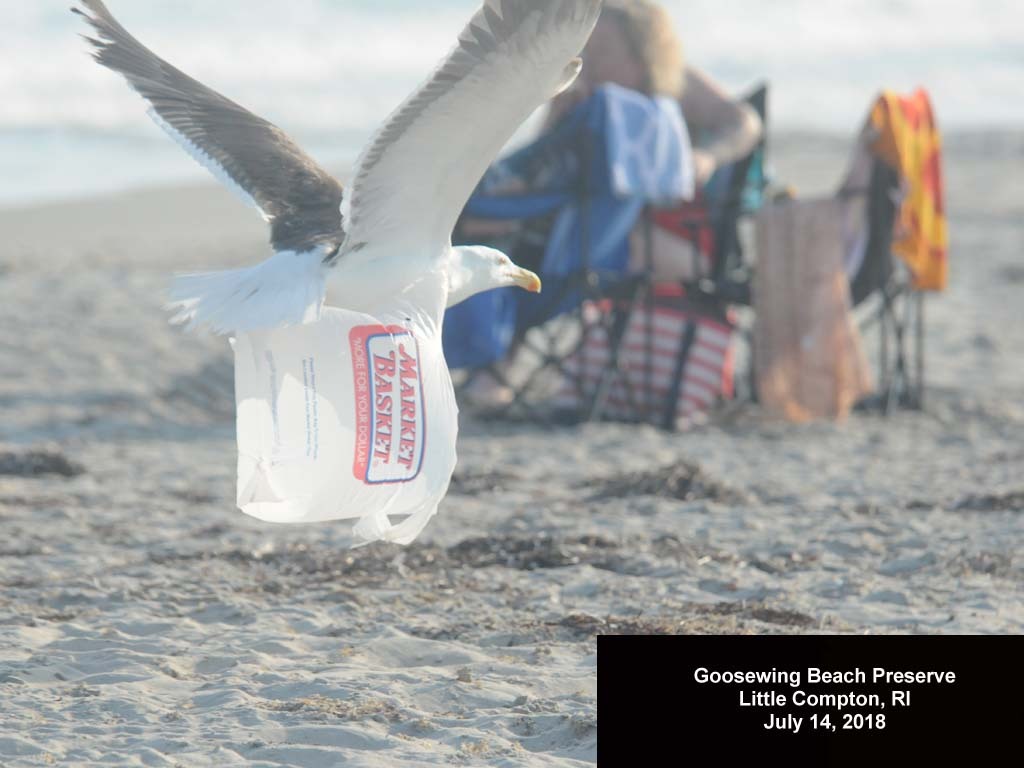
pixel 642 392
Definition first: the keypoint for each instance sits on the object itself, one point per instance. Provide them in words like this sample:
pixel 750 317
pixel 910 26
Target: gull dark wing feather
pixel 415 176
pixel 298 198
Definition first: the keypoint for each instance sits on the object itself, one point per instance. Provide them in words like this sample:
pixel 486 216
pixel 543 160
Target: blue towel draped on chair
pixel 594 173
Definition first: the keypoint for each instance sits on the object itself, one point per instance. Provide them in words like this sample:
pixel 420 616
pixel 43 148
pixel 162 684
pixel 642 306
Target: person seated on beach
pixel 635 45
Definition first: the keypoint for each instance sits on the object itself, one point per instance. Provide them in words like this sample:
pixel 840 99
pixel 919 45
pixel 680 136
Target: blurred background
pixel 143 618
pixel 328 71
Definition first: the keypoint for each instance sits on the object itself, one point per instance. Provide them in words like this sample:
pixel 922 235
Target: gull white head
pixel 477 268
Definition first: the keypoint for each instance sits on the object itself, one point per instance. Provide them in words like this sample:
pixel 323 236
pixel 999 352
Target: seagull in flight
pixel 381 245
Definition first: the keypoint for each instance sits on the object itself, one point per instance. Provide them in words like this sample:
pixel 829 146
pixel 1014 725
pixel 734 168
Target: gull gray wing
pixel 418 171
pixel 255 158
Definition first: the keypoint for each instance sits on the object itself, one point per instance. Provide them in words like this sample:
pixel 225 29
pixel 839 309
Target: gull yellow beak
pixel 525 279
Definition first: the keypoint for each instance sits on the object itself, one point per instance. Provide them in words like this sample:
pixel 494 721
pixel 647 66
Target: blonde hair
pixel 652 38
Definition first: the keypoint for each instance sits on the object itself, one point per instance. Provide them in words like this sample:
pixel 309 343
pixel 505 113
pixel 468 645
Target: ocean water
pixel 328 70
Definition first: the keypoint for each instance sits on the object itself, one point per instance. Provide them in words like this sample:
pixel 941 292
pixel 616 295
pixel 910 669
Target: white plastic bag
pixel 345 418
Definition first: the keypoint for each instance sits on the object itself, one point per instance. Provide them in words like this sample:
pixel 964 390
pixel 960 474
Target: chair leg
pixel 550 359
pixel 751 375
pixel 614 333
pixel 919 348
pixel 682 359
pixel 884 375
pixel 902 326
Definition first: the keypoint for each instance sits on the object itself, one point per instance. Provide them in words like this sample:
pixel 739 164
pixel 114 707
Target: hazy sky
pixel 354 58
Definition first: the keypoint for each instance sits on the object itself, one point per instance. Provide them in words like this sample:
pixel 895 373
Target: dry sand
pixel 143 621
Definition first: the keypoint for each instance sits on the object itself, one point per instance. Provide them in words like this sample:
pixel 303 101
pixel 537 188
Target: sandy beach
pixel 145 621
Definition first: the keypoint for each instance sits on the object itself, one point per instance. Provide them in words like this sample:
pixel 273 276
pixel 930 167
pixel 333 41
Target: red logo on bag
pixel 390 419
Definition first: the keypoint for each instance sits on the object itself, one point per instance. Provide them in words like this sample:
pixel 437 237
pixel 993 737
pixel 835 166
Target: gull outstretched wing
pixel 255 158
pixel 418 170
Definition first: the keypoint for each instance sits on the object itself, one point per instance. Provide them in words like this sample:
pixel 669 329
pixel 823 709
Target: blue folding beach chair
pixel 580 227
pixel 589 179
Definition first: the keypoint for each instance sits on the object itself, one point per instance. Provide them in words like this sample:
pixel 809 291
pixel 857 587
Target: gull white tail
pixel 286 289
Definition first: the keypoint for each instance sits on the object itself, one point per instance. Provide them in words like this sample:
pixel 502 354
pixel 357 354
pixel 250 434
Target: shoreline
pixel 786 140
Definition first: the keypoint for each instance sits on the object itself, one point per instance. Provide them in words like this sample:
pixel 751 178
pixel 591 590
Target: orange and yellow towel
pixel 909 141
